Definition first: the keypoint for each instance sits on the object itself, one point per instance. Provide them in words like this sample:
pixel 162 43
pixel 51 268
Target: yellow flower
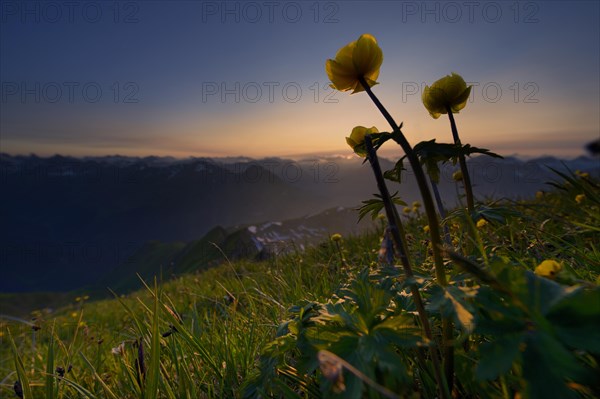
pixel 481 223
pixel 457 176
pixel 580 198
pixel 450 91
pixel 359 59
pixel 539 195
pixel 548 268
pixel 407 210
pixel 381 216
pixel 426 229
pixel 357 139
pixel 336 237
pixel 416 204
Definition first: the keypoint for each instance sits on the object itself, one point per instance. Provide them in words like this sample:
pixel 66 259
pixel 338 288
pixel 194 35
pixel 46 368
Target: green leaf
pixel 576 319
pixel 541 293
pixel 431 154
pixel 374 206
pixel 20 368
pixel 452 301
pixel 467 150
pixel 498 356
pixel 395 174
pixel 546 365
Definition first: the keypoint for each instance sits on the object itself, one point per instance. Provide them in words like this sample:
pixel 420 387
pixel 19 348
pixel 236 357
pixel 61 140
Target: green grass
pixel 254 328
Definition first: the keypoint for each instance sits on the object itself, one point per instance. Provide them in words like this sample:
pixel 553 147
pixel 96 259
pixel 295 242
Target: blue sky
pixel 212 78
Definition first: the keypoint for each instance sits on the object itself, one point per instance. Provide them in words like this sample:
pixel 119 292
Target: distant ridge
pixel 69 221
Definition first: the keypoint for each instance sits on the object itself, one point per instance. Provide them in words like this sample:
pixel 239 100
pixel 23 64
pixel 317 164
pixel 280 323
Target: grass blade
pixel 50 393
pixel 27 394
pixel 153 373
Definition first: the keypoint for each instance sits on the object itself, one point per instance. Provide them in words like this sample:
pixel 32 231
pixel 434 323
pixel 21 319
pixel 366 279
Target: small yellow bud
pixel 481 223
pixel 407 210
pixel 356 139
pixel 336 237
pixel 381 216
pixel 448 92
pixel 539 195
pixel 426 229
pixel 416 204
pixel 548 269
pixel 457 176
pixel 580 198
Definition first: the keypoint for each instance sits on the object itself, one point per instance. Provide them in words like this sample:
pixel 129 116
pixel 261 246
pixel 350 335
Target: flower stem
pixel 463 164
pixel 441 209
pixel 342 259
pixel 434 228
pixel 398 236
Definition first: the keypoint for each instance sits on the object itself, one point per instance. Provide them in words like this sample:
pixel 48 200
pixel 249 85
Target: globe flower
pixel 359 59
pixel 450 91
pixel 457 176
pixel 548 269
pixel 357 139
pixel 336 237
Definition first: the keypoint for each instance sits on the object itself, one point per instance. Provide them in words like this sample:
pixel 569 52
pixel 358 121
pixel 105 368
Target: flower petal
pixel 461 101
pixel 340 76
pixel 367 56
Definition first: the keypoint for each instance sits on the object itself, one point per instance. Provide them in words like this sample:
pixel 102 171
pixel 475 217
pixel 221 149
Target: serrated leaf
pixel 541 293
pixel 451 301
pixel 576 317
pixel 546 365
pixel 498 356
pixel 395 174
pixel 374 206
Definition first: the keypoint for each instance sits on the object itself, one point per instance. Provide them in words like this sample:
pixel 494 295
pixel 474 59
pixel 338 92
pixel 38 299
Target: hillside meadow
pixel 337 320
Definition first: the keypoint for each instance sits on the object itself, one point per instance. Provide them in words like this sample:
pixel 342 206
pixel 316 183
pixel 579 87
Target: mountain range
pixel 73 222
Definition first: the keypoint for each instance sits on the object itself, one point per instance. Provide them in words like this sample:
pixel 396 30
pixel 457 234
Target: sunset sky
pixel 203 78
